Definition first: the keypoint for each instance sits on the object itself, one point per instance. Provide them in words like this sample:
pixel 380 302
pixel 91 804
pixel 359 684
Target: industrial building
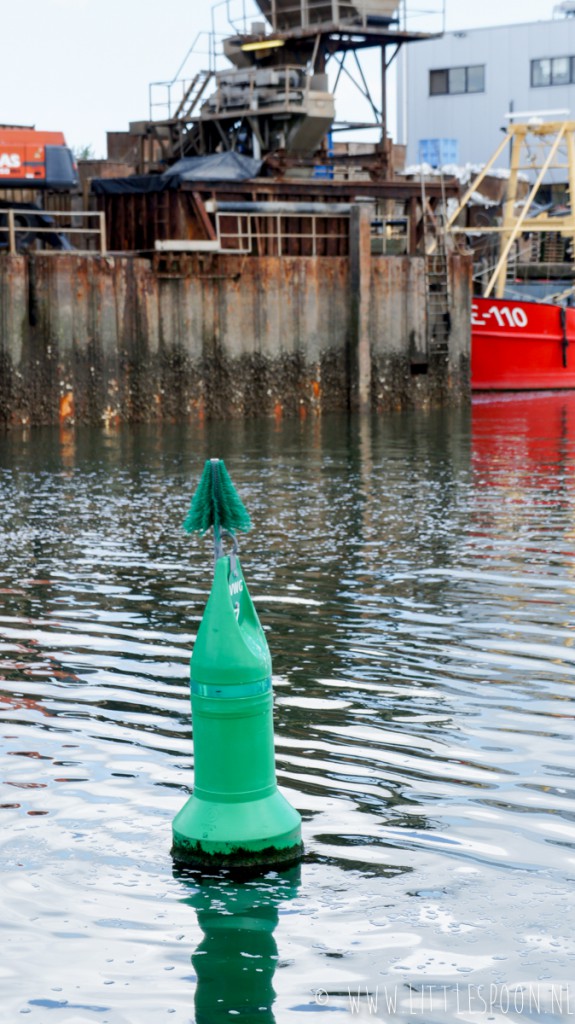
pixel 455 91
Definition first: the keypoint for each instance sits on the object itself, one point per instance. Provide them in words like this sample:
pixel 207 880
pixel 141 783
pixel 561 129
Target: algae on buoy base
pixel 236 816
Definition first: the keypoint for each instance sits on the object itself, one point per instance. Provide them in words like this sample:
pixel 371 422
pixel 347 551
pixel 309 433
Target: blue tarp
pixel 218 167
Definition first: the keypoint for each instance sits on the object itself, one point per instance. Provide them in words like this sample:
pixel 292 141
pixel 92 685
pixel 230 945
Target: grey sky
pixel 83 66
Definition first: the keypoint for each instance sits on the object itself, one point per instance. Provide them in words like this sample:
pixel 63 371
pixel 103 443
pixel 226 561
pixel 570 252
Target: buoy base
pixel 262 833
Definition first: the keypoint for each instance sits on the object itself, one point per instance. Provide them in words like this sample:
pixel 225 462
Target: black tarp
pixel 218 167
pixel 137 183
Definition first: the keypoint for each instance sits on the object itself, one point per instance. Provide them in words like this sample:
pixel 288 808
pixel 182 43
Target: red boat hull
pixel 521 346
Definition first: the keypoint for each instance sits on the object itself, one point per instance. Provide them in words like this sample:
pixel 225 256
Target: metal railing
pixel 165 97
pixel 15 223
pixel 293 233
pixel 272 232
pixel 305 13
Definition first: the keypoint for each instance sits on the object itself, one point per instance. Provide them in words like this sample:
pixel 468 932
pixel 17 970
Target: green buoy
pixel 236 816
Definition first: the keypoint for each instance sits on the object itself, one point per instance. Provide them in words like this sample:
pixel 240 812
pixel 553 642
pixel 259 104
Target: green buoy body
pixel 236 816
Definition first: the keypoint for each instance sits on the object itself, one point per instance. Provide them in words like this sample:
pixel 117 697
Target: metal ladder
pixel 183 126
pixel 437 284
pixel 192 96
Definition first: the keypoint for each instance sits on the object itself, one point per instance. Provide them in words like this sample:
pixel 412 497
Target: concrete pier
pixel 125 338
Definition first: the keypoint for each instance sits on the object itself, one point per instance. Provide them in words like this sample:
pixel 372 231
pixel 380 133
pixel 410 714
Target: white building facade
pixel 454 91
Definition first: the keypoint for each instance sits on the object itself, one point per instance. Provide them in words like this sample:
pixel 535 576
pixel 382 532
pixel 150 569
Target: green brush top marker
pixel 217 503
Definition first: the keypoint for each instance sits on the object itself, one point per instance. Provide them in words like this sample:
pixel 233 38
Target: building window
pixel 552 71
pixel 454 81
pixel 438 83
pixel 457 80
pixel 476 78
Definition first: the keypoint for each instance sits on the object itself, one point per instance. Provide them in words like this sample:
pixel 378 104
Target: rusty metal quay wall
pixel 123 338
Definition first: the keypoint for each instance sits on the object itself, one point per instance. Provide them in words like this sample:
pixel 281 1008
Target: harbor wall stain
pixel 125 338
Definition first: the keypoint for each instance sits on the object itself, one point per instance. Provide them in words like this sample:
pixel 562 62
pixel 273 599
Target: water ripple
pixel 415 579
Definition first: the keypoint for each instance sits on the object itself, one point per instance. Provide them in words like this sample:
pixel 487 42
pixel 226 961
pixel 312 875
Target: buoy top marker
pixel 217 504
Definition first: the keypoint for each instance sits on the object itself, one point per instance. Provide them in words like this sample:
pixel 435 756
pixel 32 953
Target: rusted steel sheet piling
pixel 359 361
pixel 124 338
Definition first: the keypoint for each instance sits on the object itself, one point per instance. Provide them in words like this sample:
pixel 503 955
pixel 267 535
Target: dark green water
pixel 416 579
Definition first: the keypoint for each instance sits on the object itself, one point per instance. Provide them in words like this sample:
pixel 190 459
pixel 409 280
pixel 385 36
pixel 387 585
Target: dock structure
pixel 264 274
pixel 311 315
